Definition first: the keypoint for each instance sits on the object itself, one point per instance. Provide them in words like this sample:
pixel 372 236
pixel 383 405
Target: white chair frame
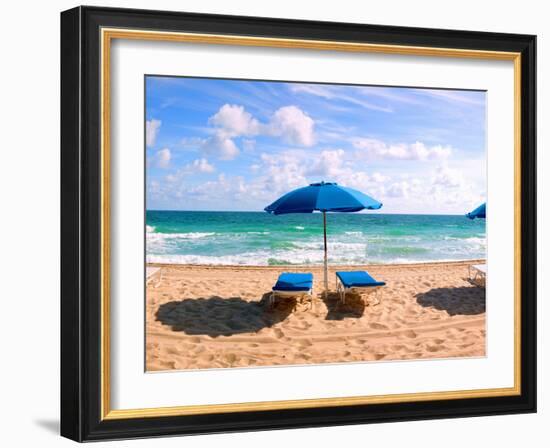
pixel 298 294
pixel 479 274
pixel 361 290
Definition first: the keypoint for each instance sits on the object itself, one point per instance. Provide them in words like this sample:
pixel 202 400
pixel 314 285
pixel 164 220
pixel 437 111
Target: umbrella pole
pixel 326 258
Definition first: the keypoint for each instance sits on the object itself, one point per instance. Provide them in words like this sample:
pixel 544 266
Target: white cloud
pixel 453 96
pixel 450 190
pixel 378 149
pixel 379 178
pixel 389 93
pixel 359 180
pixel 202 166
pixel 271 175
pixel 448 178
pixel 151 131
pixel 296 168
pixel 220 146
pixel 234 121
pixel 293 125
pixel 312 89
pixel 280 173
pixel 162 158
pixel 196 166
pixel 154 187
pixel 328 163
pixel 217 145
pixel 231 121
pixel 223 186
pixel 398 189
pixel 329 93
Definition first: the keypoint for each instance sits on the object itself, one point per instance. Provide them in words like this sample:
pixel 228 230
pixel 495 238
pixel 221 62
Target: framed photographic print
pixel 274 223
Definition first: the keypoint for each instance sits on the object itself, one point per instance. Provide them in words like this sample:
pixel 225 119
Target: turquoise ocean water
pixel 258 238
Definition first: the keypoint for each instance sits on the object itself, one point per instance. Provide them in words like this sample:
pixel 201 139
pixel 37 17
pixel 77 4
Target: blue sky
pixel 216 144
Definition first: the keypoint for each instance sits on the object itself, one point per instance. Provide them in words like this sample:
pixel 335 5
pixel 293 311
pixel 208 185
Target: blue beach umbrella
pixel 323 197
pixel 477 213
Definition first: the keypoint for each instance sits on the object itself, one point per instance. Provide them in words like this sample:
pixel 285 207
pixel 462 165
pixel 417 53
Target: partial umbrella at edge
pixel 478 212
pixel 323 197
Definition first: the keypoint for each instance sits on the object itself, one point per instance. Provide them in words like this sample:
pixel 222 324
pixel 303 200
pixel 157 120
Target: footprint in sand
pixel 231 358
pixel 452 333
pixel 278 333
pixel 433 348
pixel 409 334
pixel 377 326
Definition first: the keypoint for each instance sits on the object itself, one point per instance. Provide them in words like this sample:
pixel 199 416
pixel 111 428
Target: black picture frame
pixel 81 224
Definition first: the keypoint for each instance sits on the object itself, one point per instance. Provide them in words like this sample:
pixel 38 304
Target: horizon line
pixel 263 211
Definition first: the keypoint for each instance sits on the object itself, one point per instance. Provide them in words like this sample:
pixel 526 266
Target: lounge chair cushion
pixel 289 281
pixel 357 279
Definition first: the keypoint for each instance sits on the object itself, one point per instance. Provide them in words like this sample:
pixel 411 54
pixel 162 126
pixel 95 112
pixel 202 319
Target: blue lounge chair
pixel 291 284
pixel 358 282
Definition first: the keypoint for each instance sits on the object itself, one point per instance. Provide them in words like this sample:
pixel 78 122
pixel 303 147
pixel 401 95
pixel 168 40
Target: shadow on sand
pixel 468 300
pixel 354 306
pixel 218 316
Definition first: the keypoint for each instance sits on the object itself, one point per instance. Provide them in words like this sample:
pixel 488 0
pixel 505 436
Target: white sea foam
pixel 476 240
pixel 331 246
pixel 339 253
pixel 181 236
pixel 294 257
pixel 263 248
pixel 253 259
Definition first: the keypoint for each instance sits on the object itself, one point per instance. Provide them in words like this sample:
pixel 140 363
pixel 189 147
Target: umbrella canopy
pixel 477 213
pixel 323 197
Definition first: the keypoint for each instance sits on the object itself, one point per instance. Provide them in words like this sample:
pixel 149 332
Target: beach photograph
pixel 297 223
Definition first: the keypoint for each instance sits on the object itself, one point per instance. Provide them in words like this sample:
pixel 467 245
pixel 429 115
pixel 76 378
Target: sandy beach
pixel 203 317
